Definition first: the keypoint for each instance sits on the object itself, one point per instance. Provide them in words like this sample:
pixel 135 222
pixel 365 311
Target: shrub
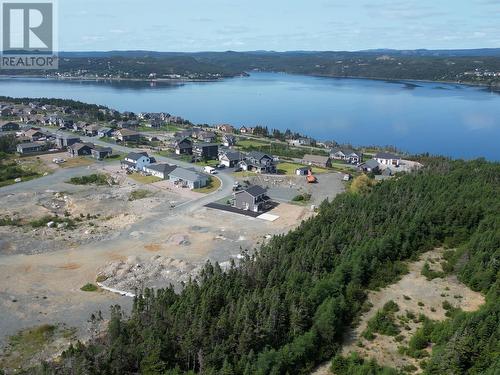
pixel 89 287
pixel 96 179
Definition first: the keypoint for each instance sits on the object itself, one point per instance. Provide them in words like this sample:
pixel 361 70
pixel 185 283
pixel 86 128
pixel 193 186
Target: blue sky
pixel 220 25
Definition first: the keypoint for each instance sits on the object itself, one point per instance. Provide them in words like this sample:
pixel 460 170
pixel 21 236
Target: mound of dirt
pixel 136 274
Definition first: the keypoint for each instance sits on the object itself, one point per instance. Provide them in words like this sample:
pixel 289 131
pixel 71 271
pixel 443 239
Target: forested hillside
pixel 284 309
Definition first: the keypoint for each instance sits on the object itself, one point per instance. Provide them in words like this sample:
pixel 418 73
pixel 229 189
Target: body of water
pixel 447 119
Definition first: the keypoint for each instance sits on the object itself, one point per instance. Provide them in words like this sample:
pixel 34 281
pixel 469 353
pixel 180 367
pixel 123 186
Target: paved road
pixel 54 181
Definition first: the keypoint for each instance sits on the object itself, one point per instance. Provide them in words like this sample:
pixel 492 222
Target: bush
pixel 89 287
pixel 139 194
pixel 429 273
pixel 383 322
pixel 96 179
pixel 302 197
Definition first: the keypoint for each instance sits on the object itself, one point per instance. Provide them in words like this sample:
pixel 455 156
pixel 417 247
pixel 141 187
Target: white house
pixel 136 160
pixel 159 170
pixel 386 158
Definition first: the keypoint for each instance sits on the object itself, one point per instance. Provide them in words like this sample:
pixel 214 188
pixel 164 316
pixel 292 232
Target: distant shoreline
pixel 495 88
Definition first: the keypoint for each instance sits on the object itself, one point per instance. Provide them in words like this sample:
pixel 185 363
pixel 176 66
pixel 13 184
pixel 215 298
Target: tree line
pixel 284 308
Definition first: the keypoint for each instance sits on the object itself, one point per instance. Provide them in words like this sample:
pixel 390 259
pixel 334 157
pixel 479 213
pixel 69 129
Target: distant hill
pixel 485 52
pixel 476 66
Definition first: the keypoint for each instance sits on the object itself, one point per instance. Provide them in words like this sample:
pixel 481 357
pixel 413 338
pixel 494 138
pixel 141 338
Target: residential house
pixel 78 126
pixel 64 141
pixel 136 161
pixel 105 132
pixel 127 135
pixel 34 134
pixel 370 166
pixel 91 130
pixel 6 112
pixel 160 170
pixel 230 158
pixel 183 146
pixel 155 123
pixel 302 171
pixel 226 128
pixel 228 140
pixel 9 126
pixel 207 137
pixel 206 151
pixel 188 178
pixel 252 199
pixel 31 148
pixel 258 162
pixel 99 152
pixel 183 134
pixel 245 130
pixel 123 124
pixel 80 149
pixel 386 158
pixel 346 154
pixel 317 160
pixel 300 142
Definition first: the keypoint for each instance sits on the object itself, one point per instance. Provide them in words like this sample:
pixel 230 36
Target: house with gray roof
pixel 160 170
pixel 258 162
pixel 188 178
pixel 80 149
pixel 9 126
pixel 136 161
pixel 252 199
pixel 387 158
pixel 100 152
pixel 346 154
pixel 230 158
pixel 31 148
pixel 370 166
pixel 317 160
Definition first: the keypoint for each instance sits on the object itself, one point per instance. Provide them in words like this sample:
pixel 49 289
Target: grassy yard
pixel 243 174
pixel 167 128
pixel 213 184
pixel 25 169
pixel 144 179
pixel 108 140
pixel 210 163
pixel 113 157
pixel 80 161
pixel 246 142
pixel 289 168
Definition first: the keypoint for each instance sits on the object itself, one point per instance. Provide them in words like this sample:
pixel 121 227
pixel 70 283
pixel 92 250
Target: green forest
pixel 284 308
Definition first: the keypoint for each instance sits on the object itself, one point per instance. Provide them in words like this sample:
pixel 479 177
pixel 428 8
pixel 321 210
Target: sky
pixel 279 25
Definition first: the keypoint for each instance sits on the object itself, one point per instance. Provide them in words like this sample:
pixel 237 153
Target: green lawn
pixel 243 174
pixel 210 163
pixel 144 179
pixel 80 161
pixel 108 140
pixel 114 157
pixel 213 184
pixel 251 143
pixel 289 168
pixel 166 128
pixel 24 168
